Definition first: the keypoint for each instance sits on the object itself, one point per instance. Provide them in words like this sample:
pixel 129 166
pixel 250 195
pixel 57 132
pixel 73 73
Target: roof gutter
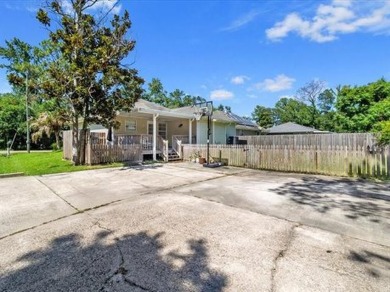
pixel 163 113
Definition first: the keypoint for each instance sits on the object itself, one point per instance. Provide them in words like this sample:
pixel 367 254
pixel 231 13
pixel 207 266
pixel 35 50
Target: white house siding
pixel 141 128
pixel 247 132
pixel 219 133
pixel 230 130
pixel 201 131
pixel 179 127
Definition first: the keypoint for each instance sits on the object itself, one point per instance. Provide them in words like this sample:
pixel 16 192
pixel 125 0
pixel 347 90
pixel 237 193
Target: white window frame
pixel 158 129
pixel 134 126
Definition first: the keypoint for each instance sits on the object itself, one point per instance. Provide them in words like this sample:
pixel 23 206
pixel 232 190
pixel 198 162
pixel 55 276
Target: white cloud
pixel 241 21
pixel 237 80
pixel 279 83
pixel 17 5
pixel 221 94
pixel 339 17
pixel 107 5
pixel 103 5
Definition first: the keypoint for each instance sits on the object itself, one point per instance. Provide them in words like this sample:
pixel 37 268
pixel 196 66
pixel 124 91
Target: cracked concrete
pixel 193 229
pixel 281 254
pixel 58 195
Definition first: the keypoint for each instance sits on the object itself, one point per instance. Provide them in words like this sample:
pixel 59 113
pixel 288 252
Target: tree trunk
pixel 75 140
pixel 57 135
pixel 82 145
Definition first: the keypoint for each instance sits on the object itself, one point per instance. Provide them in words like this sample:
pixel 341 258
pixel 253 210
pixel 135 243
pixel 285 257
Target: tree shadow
pixel 355 198
pixel 140 166
pixel 374 263
pixel 134 262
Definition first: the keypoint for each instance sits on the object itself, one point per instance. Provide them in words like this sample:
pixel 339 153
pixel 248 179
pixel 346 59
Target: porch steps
pixel 173 157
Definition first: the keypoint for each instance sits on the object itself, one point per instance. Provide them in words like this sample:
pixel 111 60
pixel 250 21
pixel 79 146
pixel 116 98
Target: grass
pixel 38 163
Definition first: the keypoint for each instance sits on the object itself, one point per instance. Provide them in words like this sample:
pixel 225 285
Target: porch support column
pixel 155 116
pixel 190 132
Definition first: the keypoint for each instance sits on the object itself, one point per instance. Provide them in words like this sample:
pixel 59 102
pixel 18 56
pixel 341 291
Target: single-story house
pixel 291 128
pixel 154 126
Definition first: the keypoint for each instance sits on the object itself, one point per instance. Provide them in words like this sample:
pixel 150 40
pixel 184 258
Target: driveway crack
pixel 281 254
pixel 58 195
pixel 120 273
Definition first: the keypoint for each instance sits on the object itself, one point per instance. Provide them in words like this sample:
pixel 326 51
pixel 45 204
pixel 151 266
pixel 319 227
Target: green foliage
pixel 292 110
pixel 55 147
pixel 12 117
pixel 86 66
pixel 177 98
pixel 383 131
pixel 361 107
pixel 326 101
pixel 263 116
pixel 21 62
pixel 224 108
pixel 50 122
pixel 348 109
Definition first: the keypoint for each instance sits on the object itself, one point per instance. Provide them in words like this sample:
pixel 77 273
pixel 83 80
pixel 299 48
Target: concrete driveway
pixel 181 227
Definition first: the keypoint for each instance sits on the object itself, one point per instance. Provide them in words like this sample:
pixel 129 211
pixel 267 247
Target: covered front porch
pixel 167 150
pixel 159 132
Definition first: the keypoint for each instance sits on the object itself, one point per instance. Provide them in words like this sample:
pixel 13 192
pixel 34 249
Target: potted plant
pixel 202 160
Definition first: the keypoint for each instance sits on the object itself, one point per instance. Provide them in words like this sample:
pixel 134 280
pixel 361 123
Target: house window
pixel 162 129
pixel 131 126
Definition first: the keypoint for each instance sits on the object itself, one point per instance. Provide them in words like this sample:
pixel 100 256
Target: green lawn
pixel 37 163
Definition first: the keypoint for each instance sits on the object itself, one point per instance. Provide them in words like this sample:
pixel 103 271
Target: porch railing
pixel 162 145
pixel 146 141
pixel 178 140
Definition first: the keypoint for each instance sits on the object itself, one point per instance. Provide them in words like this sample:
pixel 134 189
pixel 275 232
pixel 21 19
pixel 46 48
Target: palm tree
pixel 49 123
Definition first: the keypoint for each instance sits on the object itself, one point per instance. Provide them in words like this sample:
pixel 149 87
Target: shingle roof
pixel 189 111
pixel 221 116
pixel 142 103
pixel 290 128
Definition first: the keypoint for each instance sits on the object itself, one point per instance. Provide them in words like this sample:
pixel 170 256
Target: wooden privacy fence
pixel 99 150
pixel 100 153
pixel 318 141
pixel 67 148
pixel 334 160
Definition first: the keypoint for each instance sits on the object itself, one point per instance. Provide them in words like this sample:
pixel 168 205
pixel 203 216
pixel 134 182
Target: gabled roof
pixel 222 116
pixel 144 106
pixel 290 128
pixel 143 103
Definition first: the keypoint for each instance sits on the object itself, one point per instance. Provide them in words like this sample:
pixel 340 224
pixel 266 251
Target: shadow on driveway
pixel 134 262
pixel 355 198
pixel 373 262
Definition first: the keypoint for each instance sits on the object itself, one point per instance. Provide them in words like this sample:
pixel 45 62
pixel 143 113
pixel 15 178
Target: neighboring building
pixel 291 128
pixel 173 125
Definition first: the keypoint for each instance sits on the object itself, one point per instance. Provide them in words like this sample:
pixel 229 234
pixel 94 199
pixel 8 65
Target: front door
pixel 161 129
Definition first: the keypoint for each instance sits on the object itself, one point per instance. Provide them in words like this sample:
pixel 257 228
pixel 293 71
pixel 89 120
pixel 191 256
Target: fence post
pixel 180 150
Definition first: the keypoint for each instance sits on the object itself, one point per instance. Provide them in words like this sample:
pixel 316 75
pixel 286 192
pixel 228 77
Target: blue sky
pixel 241 53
